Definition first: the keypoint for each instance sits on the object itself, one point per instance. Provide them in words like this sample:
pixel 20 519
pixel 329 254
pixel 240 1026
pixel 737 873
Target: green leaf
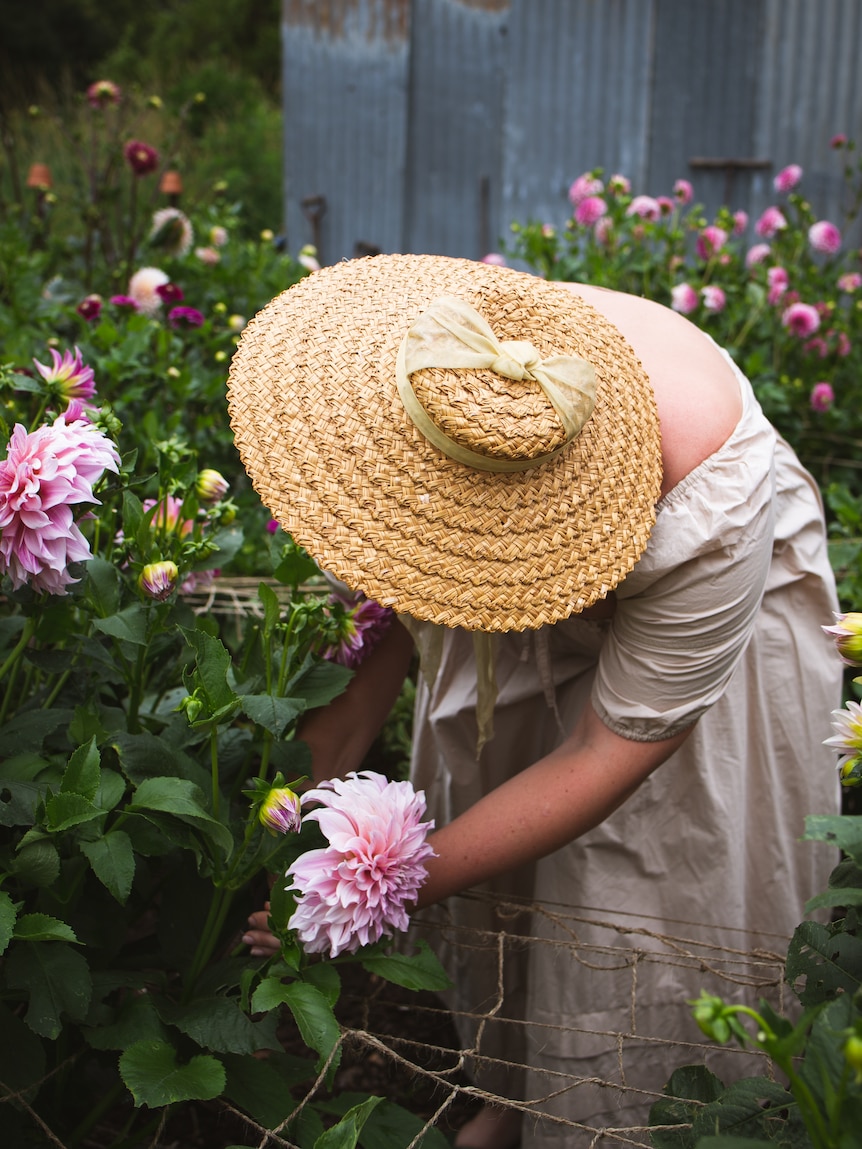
pixel 183 800
pixel 345 1134
pixel 212 661
pixel 8 914
pixel 421 970
pixel 311 1011
pixel 747 1108
pixel 389 1125
pixel 322 682
pixel 326 978
pixel 65 810
pixel 151 1072
pixel 103 583
pixel 822 961
pixel 38 863
pixel 841 830
pixel 29 730
pixel 137 1020
pixel 272 713
pixel 43 928
pixel 113 861
pixel 129 625
pixel 262 1087
pixel 20 792
pixel 218 1024
pixel 58 980
pixel 81 776
pixel 271 608
pixel 295 566
pixel 836 897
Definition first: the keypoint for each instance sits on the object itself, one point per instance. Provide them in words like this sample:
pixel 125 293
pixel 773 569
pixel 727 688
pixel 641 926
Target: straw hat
pixel 317 394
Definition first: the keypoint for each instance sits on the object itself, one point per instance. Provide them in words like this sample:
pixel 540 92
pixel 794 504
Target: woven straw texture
pixel 330 449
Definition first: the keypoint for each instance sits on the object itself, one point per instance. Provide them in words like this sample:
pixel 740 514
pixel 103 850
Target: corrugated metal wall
pixel 429 125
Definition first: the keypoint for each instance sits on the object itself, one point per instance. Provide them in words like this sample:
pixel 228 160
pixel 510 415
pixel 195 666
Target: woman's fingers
pixel 258 936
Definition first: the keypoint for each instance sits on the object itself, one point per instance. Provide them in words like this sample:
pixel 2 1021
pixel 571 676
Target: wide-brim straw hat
pixel 323 432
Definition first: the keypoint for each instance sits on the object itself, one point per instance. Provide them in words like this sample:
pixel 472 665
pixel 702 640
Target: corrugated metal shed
pixel 429 125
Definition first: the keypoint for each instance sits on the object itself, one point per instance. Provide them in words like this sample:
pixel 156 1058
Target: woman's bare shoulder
pixel 696 389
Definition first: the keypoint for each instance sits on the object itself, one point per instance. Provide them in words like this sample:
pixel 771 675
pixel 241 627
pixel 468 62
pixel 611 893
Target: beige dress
pixel 719 623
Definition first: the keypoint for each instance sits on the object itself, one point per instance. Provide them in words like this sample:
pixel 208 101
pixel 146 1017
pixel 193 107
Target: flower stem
pixel 18 649
pixel 214 768
pixel 218 910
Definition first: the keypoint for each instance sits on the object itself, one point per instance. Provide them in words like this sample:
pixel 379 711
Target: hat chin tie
pixel 452 334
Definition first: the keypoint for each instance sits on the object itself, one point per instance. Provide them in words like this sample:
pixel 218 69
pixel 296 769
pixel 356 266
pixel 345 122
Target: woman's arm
pixel 555 800
pixel 341 733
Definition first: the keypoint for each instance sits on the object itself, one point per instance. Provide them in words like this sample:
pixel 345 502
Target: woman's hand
pixel 259 937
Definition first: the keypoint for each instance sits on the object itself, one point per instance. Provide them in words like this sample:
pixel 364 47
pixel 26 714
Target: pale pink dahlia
pixel 824 237
pixel 619 184
pixel 771 221
pixel 777 280
pixel 801 319
pixel 494 259
pixel 683 192
pixel 710 241
pixel 847 725
pixel 740 222
pixel 143 289
pixel 757 254
pixel 644 206
pixel 787 178
pixel 850 281
pixel 590 209
pixel 103 92
pixel 158 580
pixel 45 474
pixel 714 299
pixel 683 298
pixel 585 185
pixel 358 888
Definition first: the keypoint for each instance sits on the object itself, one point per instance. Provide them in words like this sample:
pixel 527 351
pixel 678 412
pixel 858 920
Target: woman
pixel 610 563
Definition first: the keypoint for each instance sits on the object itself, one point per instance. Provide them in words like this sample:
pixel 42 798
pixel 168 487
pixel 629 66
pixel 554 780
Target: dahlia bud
pixel 280 811
pixel 158 580
pixel 211 486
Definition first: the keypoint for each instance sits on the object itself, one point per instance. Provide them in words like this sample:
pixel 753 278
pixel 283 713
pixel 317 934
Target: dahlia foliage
pixel 359 887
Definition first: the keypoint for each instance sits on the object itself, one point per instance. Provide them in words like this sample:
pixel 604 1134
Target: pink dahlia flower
pixel 777 280
pixel 211 485
pixel 710 241
pixel 358 888
pixel 45 474
pixel 644 206
pixel 824 237
pixel 787 178
pixel 140 157
pixel 770 222
pixel 838 141
pixel 666 205
pixel 143 289
pixel 619 185
pixel 218 235
pixel 683 298
pixel 124 301
pixel 68 376
pixel 801 319
pixel 850 281
pixel 208 256
pixel 170 293
pixel 740 222
pixel 590 210
pixel 822 397
pixel 683 192
pixel 603 230
pixel 360 628
pixel 714 299
pixel 167 516
pixel 843 346
pixel 494 259
pixel 757 254
pixel 585 185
